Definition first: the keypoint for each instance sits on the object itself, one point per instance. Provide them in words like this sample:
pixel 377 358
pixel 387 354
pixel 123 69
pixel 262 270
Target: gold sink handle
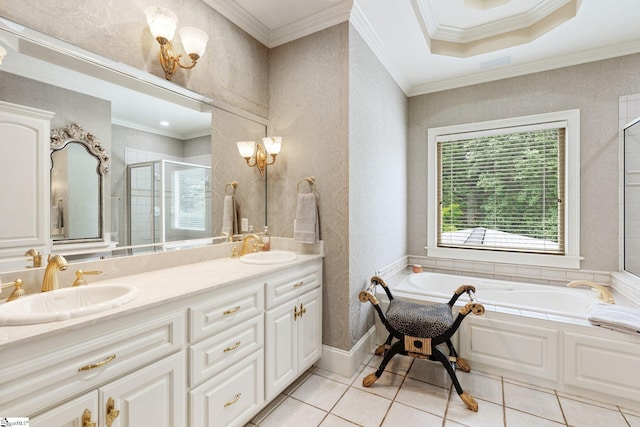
pixel 18 292
pixel 80 280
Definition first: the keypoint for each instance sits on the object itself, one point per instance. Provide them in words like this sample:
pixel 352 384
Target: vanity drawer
pixel 224 309
pixel 286 286
pixel 231 398
pixel 44 373
pixel 220 351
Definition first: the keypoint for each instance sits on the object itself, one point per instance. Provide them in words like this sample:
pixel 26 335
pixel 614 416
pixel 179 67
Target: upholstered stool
pixel 419 329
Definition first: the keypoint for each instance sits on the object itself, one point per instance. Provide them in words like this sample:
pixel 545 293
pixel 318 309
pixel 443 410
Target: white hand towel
pixel 306 227
pixel 229 215
pixel 616 317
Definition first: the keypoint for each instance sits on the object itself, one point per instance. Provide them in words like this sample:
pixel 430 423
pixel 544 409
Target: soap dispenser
pixel 266 239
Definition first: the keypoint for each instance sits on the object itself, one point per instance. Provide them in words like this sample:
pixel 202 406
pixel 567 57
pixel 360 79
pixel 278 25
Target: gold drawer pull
pixel 97 365
pixel 112 412
pixel 86 419
pixel 234 400
pixel 233 347
pixel 231 310
pixel 297 285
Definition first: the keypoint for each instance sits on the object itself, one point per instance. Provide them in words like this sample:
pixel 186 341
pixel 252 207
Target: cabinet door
pixel 281 347
pixel 70 414
pixel 309 329
pixel 152 396
pixel 24 162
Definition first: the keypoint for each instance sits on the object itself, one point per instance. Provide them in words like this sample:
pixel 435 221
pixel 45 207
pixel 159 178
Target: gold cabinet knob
pixel 86 419
pixel 112 413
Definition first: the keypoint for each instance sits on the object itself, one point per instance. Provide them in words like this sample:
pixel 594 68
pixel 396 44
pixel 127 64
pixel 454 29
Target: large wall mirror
pixel 631 135
pixel 159 139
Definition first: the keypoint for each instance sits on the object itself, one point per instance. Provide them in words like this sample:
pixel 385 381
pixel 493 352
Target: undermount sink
pixel 269 257
pixel 65 303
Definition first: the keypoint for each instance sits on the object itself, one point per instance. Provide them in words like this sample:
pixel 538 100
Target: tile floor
pixel 418 392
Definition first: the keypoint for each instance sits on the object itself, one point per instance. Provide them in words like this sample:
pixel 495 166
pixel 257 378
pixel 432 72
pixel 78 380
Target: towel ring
pixel 311 181
pixel 233 185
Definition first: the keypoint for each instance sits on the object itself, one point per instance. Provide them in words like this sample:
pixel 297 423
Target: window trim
pixel 571 258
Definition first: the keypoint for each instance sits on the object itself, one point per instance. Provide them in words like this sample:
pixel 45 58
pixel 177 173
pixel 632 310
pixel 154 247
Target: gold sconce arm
pixel 170 61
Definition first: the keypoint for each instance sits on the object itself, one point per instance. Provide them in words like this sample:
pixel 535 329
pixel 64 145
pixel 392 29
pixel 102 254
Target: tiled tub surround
pixel 169 343
pixel 562 351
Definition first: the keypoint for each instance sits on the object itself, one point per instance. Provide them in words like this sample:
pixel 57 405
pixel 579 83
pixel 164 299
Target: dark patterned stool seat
pixel 419 320
pixel 417 330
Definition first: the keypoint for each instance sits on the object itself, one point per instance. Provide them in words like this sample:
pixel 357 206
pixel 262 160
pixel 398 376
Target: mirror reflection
pixel 149 127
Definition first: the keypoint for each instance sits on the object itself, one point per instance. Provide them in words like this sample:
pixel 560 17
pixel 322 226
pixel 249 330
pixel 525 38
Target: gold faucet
pixel 80 280
pixel 50 281
pixel 36 257
pixel 246 248
pixel 605 294
pixel 18 292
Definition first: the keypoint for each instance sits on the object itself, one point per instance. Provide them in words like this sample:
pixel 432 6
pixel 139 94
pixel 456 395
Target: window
pixel 189 186
pixel 506 190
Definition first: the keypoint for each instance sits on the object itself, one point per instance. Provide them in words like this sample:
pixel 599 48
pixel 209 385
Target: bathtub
pixel 554 300
pixel 538 334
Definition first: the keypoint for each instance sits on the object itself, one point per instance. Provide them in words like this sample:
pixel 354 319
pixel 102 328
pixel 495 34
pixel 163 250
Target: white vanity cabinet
pixel 152 396
pixel 226 359
pixel 24 174
pixel 293 324
pixel 137 361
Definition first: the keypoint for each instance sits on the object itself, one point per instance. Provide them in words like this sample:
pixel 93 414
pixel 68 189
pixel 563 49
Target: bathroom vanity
pixel 204 344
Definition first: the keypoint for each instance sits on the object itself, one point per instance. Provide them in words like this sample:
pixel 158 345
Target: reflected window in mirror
pixel 79 164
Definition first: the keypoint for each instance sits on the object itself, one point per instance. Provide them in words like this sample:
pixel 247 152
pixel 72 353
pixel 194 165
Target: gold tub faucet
pixel 605 294
pixel 50 281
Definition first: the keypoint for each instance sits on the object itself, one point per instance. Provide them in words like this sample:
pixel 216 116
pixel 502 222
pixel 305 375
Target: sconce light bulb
pixel 162 22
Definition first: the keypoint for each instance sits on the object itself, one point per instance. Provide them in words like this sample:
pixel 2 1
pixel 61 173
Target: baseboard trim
pixel 346 363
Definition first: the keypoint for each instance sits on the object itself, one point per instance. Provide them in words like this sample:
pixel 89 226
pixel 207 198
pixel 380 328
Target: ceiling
pixel 433 45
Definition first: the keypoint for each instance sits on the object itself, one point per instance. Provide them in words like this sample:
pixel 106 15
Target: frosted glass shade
pixel 162 22
pixel 246 148
pixel 194 40
pixel 3 53
pixel 273 144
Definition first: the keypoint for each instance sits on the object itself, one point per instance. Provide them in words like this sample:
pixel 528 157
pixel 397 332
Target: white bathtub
pixel 533 333
pixel 554 300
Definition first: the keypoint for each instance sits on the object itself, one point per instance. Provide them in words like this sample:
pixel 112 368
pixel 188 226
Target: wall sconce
pixel 260 155
pixel 162 24
pixel 3 53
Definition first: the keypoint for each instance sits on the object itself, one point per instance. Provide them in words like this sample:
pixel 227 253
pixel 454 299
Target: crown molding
pixel 326 18
pixel 591 55
pixel 243 19
pixel 371 38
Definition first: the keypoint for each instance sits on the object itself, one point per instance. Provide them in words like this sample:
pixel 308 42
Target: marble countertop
pixel 154 288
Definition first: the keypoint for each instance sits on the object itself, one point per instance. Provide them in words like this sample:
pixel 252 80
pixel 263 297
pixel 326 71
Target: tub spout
pixel 605 294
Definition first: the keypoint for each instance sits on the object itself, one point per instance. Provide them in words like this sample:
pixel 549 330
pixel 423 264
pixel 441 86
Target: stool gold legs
pixel 369 380
pixel 469 401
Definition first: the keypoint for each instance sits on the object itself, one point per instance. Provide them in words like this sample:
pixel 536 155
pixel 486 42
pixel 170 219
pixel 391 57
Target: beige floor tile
pixel 481 387
pixel 449 423
pixel 532 401
pixel 488 415
pixel 633 420
pixel 301 379
pixel 399 364
pixel 423 396
pixel 268 409
pixel 430 372
pixel 400 415
pixel 589 401
pixel 320 392
pixel 333 421
pixel 362 408
pixel 293 413
pixel 339 378
pixel 521 419
pixel 586 414
pixel 386 386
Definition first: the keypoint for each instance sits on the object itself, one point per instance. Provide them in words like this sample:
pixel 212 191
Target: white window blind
pixel 503 189
pixel 189 199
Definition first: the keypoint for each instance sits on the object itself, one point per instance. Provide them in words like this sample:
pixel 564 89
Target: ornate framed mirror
pixel 79 164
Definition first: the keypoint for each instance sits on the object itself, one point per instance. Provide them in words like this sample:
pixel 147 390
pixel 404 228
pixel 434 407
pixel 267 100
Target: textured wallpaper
pixel 594 88
pixel 234 68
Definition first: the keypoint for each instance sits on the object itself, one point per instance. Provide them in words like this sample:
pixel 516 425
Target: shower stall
pixel 168 201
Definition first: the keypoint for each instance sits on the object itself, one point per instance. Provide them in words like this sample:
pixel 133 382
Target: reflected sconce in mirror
pixel 162 24
pixel 261 155
pixel 3 53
